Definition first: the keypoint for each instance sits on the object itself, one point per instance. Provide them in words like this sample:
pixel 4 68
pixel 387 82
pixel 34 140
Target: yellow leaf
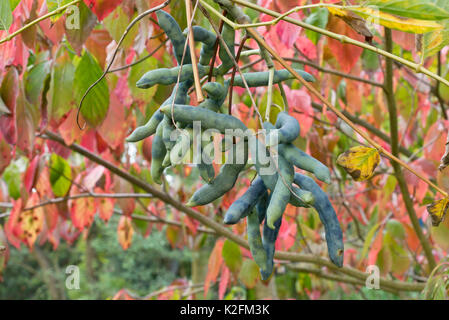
pixel 390 20
pixel 437 211
pixel 397 22
pixel 359 162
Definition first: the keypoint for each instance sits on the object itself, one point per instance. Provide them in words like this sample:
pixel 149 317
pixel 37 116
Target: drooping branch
pixel 226 232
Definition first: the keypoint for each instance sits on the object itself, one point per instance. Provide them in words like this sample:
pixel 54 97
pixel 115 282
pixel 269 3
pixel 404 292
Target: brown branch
pixel 226 232
pixel 392 110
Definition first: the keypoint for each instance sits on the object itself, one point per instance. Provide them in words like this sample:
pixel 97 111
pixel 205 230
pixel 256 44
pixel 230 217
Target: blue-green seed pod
pixel 149 128
pixel 228 35
pixel 167 131
pixel 287 129
pixel 225 180
pixel 255 243
pixel 260 79
pixel 245 204
pixel 167 76
pixel 303 161
pixel 174 33
pixel 281 193
pixel 158 153
pixel 269 240
pixel 208 39
pixel 209 119
pixel 262 205
pixel 334 234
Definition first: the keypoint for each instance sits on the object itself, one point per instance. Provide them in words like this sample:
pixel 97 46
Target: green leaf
pixel 232 256
pixel 12 177
pixel 5 15
pixel 249 273
pixel 417 9
pixel 116 23
pixel 319 18
pixel 136 73
pixel 96 103
pixel 368 239
pixel 60 175
pixel 60 95
pixel 34 81
pixel 13 4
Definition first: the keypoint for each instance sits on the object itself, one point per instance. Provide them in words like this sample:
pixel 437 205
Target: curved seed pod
pixel 158 153
pixel 174 33
pixel 262 205
pixel 255 243
pixel 149 128
pixel 270 179
pixel 302 160
pixel 260 79
pixel 269 239
pixel 167 131
pixel 228 35
pixel 287 129
pixel 181 147
pixel 281 193
pixel 225 180
pixel 334 235
pixel 210 104
pixel 167 76
pixel 209 119
pixel 208 39
pixel 207 171
pixel 167 162
pixel 215 91
pixel 245 204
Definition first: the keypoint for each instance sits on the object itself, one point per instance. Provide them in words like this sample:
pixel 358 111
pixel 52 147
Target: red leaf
pixel 114 128
pixel 105 206
pixel 127 205
pixel 5 153
pixel 30 223
pixel 301 108
pixel 347 55
pixel 102 8
pixel 224 280
pixel 97 43
pixel 69 129
pixel 125 232
pixel 91 179
pixel 82 210
pixel 12 223
pixel 30 174
pixel 214 265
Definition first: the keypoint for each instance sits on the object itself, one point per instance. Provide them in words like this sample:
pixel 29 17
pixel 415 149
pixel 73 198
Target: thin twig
pixel 191 41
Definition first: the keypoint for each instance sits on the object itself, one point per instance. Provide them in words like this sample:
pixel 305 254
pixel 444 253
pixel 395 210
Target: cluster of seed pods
pixel 269 193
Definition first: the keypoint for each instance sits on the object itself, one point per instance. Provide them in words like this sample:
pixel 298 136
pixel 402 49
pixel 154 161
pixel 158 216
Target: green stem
pixel 418 68
pixel 32 23
pixel 392 110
